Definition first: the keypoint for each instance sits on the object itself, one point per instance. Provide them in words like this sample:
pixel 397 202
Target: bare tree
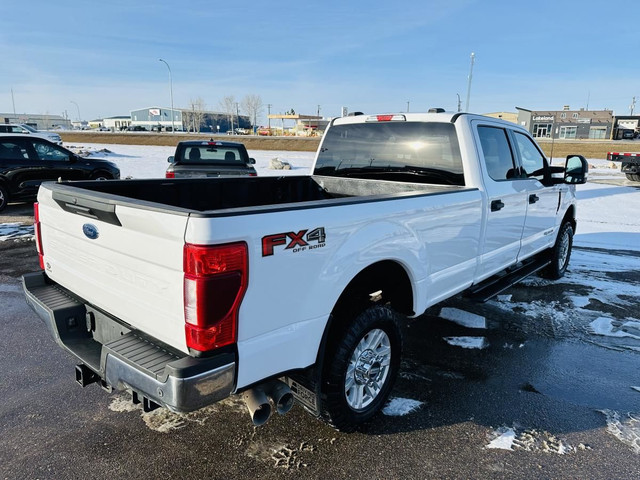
pixel 228 106
pixel 197 113
pixel 187 120
pixel 252 104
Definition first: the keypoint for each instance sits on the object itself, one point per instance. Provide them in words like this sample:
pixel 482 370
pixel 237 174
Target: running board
pixel 488 289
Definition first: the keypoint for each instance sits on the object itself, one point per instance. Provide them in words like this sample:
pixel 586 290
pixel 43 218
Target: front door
pixel 542 198
pixel 506 207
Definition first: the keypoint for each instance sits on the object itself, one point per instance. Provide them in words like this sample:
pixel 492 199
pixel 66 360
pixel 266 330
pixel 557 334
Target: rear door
pixel 54 161
pixel 506 206
pixel 17 166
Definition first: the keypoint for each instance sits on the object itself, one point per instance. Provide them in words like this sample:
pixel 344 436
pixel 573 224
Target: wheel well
pixel 387 277
pixel 570 216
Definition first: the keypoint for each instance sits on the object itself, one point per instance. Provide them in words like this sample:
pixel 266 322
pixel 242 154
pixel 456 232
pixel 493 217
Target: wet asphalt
pixel 544 373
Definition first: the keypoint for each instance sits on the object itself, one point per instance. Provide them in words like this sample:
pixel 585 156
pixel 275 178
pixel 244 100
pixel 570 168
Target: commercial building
pixel 119 122
pixel 188 120
pixel 626 127
pixel 508 116
pixel 37 121
pixel 567 123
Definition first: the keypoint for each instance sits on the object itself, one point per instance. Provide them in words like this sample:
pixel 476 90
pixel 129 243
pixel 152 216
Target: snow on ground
pixel 465 319
pixel 16 231
pixel 399 407
pixel 625 427
pixel 467 342
pixel 144 161
pixel 529 440
pixel 608 217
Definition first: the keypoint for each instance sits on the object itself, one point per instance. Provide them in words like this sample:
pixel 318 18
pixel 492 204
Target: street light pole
pixel 473 59
pixel 79 117
pixel 173 127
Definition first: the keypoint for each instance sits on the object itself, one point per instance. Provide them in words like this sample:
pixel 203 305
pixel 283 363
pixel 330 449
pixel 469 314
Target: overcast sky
pixel 367 55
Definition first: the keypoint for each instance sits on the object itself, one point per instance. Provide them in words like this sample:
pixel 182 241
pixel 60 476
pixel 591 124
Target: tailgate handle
pixel 104 212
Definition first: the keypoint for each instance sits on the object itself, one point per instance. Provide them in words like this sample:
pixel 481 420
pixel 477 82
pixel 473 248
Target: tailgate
pixel 124 260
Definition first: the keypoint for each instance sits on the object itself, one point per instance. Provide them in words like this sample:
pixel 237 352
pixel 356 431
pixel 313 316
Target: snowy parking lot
pixel 543 381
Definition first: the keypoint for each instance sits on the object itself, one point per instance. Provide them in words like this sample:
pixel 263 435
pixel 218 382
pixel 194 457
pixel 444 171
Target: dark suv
pixel 210 159
pixel 25 162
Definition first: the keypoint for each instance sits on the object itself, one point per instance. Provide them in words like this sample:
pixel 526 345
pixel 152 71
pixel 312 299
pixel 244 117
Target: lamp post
pixel 173 127
pixel 78 108
pixel 473 59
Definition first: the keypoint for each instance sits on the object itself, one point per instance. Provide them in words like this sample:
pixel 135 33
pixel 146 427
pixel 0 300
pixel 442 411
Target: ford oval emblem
pixel 90 231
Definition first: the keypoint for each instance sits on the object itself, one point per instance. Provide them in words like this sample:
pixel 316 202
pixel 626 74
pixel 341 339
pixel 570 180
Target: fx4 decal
pixel 296 241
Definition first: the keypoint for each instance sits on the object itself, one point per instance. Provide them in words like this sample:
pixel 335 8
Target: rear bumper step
pixel 133 361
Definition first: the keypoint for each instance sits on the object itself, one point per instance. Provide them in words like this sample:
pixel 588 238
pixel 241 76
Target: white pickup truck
pixel 185 291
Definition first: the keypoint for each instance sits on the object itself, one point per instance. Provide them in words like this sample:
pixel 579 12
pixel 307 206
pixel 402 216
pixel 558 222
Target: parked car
pixel 195 158
pixel 24 129
pixel 136 128
pixel 25 162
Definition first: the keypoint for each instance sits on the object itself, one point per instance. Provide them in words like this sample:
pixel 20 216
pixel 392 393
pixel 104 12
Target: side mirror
pixel 576 170
pixel 252 161
pixel 171 159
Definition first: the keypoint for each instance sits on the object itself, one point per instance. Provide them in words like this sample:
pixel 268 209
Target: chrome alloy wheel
pixel 368 369
pixel 563 250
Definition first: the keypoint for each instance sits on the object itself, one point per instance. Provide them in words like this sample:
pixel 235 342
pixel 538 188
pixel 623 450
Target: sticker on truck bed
pixel 301 241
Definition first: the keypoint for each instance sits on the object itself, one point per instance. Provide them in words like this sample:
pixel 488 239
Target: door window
pixel 533 162
pixel 497 153
pixel 49 152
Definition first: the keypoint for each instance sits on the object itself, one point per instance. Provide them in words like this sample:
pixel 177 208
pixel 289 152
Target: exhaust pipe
pixel 258 405
pixel 281 395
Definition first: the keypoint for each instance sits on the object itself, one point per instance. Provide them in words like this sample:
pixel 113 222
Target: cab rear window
pixel 400 151
pixel 208 154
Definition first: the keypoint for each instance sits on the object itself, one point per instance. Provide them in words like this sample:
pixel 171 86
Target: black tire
pixel 560 253
pixel 4 197
pixel 634 177
pixel 101 176
pixel 371 378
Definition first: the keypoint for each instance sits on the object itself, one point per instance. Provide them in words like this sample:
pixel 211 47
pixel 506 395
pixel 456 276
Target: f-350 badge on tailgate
pixel 295 241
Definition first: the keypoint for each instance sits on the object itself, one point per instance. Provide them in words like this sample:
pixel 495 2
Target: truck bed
pixel 211 196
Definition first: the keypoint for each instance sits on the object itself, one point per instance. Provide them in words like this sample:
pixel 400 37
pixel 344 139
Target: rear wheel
pixel 101 176
pixel 633 177
pixel 361 367
pixel 560 253
pixel 4 197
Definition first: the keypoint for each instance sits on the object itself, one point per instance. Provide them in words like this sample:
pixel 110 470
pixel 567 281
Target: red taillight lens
pixel 253 174
pixel 170 175
pixel 38 232
pixel 215 280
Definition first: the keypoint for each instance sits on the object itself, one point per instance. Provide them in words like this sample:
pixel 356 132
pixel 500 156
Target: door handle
pixel 496 205
pixel 533 198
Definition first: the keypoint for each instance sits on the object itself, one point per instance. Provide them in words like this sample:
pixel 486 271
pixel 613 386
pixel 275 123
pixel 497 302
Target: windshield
pixel 400 151
pixel 30 128
pixel 208 154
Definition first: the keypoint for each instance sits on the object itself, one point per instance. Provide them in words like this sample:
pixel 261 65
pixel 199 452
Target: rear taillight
pixel 215 281
pixel 170 175
pixel 253 174
pixel 38 232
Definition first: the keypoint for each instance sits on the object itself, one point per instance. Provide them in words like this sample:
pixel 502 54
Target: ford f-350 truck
pixel 185 291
